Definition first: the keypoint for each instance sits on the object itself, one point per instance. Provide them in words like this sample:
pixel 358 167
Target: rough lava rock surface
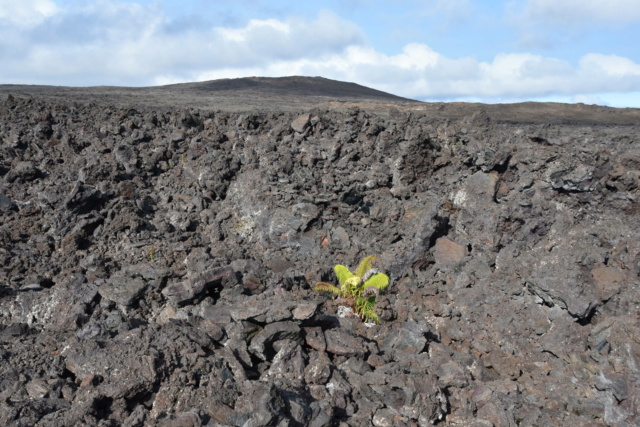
pixel 157 265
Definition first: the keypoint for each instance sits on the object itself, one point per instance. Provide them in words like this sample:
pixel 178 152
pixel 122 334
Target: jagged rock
pixel 579 179
pixel 388 418
pixel 23 170
pixel 318 371
pixel 37 389
pixel 343 343
pixel 451 374
pixel 322 414
pixel 148 271
pixel 409 338
pixel 304 311
pixel 289 361
pixel 83 199
pixel 216 314
pixel 127 375
pixel 122 290
pixel 31 411
pixel 261 310
pixel 262 403
pixel 415 397
pixel 448 252
pixel 314 338
pixel 608 281
pixel 477 220
pixel 5 202
pixel 300 124
pixel 420 224
pixel 187 290
pixel 61 308
pixel 170 313
pixel 250 310
pixel 262 344
pixel 158 265
pixel 558 279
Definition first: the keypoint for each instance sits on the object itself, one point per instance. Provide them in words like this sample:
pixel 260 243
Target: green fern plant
pixel 359 289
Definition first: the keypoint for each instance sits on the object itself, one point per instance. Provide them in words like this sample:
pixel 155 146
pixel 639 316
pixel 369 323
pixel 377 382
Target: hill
pixel 249 93
pixel 295 94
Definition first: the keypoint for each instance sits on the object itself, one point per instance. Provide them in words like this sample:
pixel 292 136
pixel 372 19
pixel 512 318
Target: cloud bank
pixel 114 43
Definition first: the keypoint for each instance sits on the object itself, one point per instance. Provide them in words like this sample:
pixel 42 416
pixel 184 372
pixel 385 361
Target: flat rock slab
pixel 216 314
pixel 449 252
pixel 342 343
pixel 304 311
pixel 609 281
pixel 408 339
pixel 123 290
pixel 300 124
pixel 127 375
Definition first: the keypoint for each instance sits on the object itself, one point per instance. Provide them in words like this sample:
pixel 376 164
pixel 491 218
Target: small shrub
pixel 358 290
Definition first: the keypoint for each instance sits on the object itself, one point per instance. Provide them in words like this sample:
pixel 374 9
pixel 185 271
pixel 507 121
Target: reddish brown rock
pixel 301 123
pixel 608 281
pixel 448 252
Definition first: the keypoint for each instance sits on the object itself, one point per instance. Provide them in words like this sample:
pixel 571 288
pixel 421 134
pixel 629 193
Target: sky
pixel 431 50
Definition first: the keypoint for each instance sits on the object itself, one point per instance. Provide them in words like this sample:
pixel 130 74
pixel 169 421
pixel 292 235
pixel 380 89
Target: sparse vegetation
pixel 358 291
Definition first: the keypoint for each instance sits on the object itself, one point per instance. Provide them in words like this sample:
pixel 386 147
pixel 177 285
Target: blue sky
pixel 431 50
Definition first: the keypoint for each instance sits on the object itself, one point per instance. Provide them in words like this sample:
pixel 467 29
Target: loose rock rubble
pixel 157 267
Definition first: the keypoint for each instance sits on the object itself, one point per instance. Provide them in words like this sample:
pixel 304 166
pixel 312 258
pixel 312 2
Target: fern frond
pixel 342 273
pixel 365 265
pixel 370 290
pixel 359 290
pixel 365 309
pixel 366 303
pixel 351 286
pixel 369 274
pixel 370 317
pixel 379 280
pixel 326 287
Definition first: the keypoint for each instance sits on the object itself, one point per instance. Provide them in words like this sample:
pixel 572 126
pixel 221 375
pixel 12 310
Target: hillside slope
pixel 285 93
pixel 292 94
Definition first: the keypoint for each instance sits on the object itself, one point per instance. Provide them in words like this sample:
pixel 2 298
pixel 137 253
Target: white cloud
pixel 255 26
pixel 580 12
pixel 610 66
pixel 109 42
pixel 26 13
pixel 420 73
pixel 261 41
